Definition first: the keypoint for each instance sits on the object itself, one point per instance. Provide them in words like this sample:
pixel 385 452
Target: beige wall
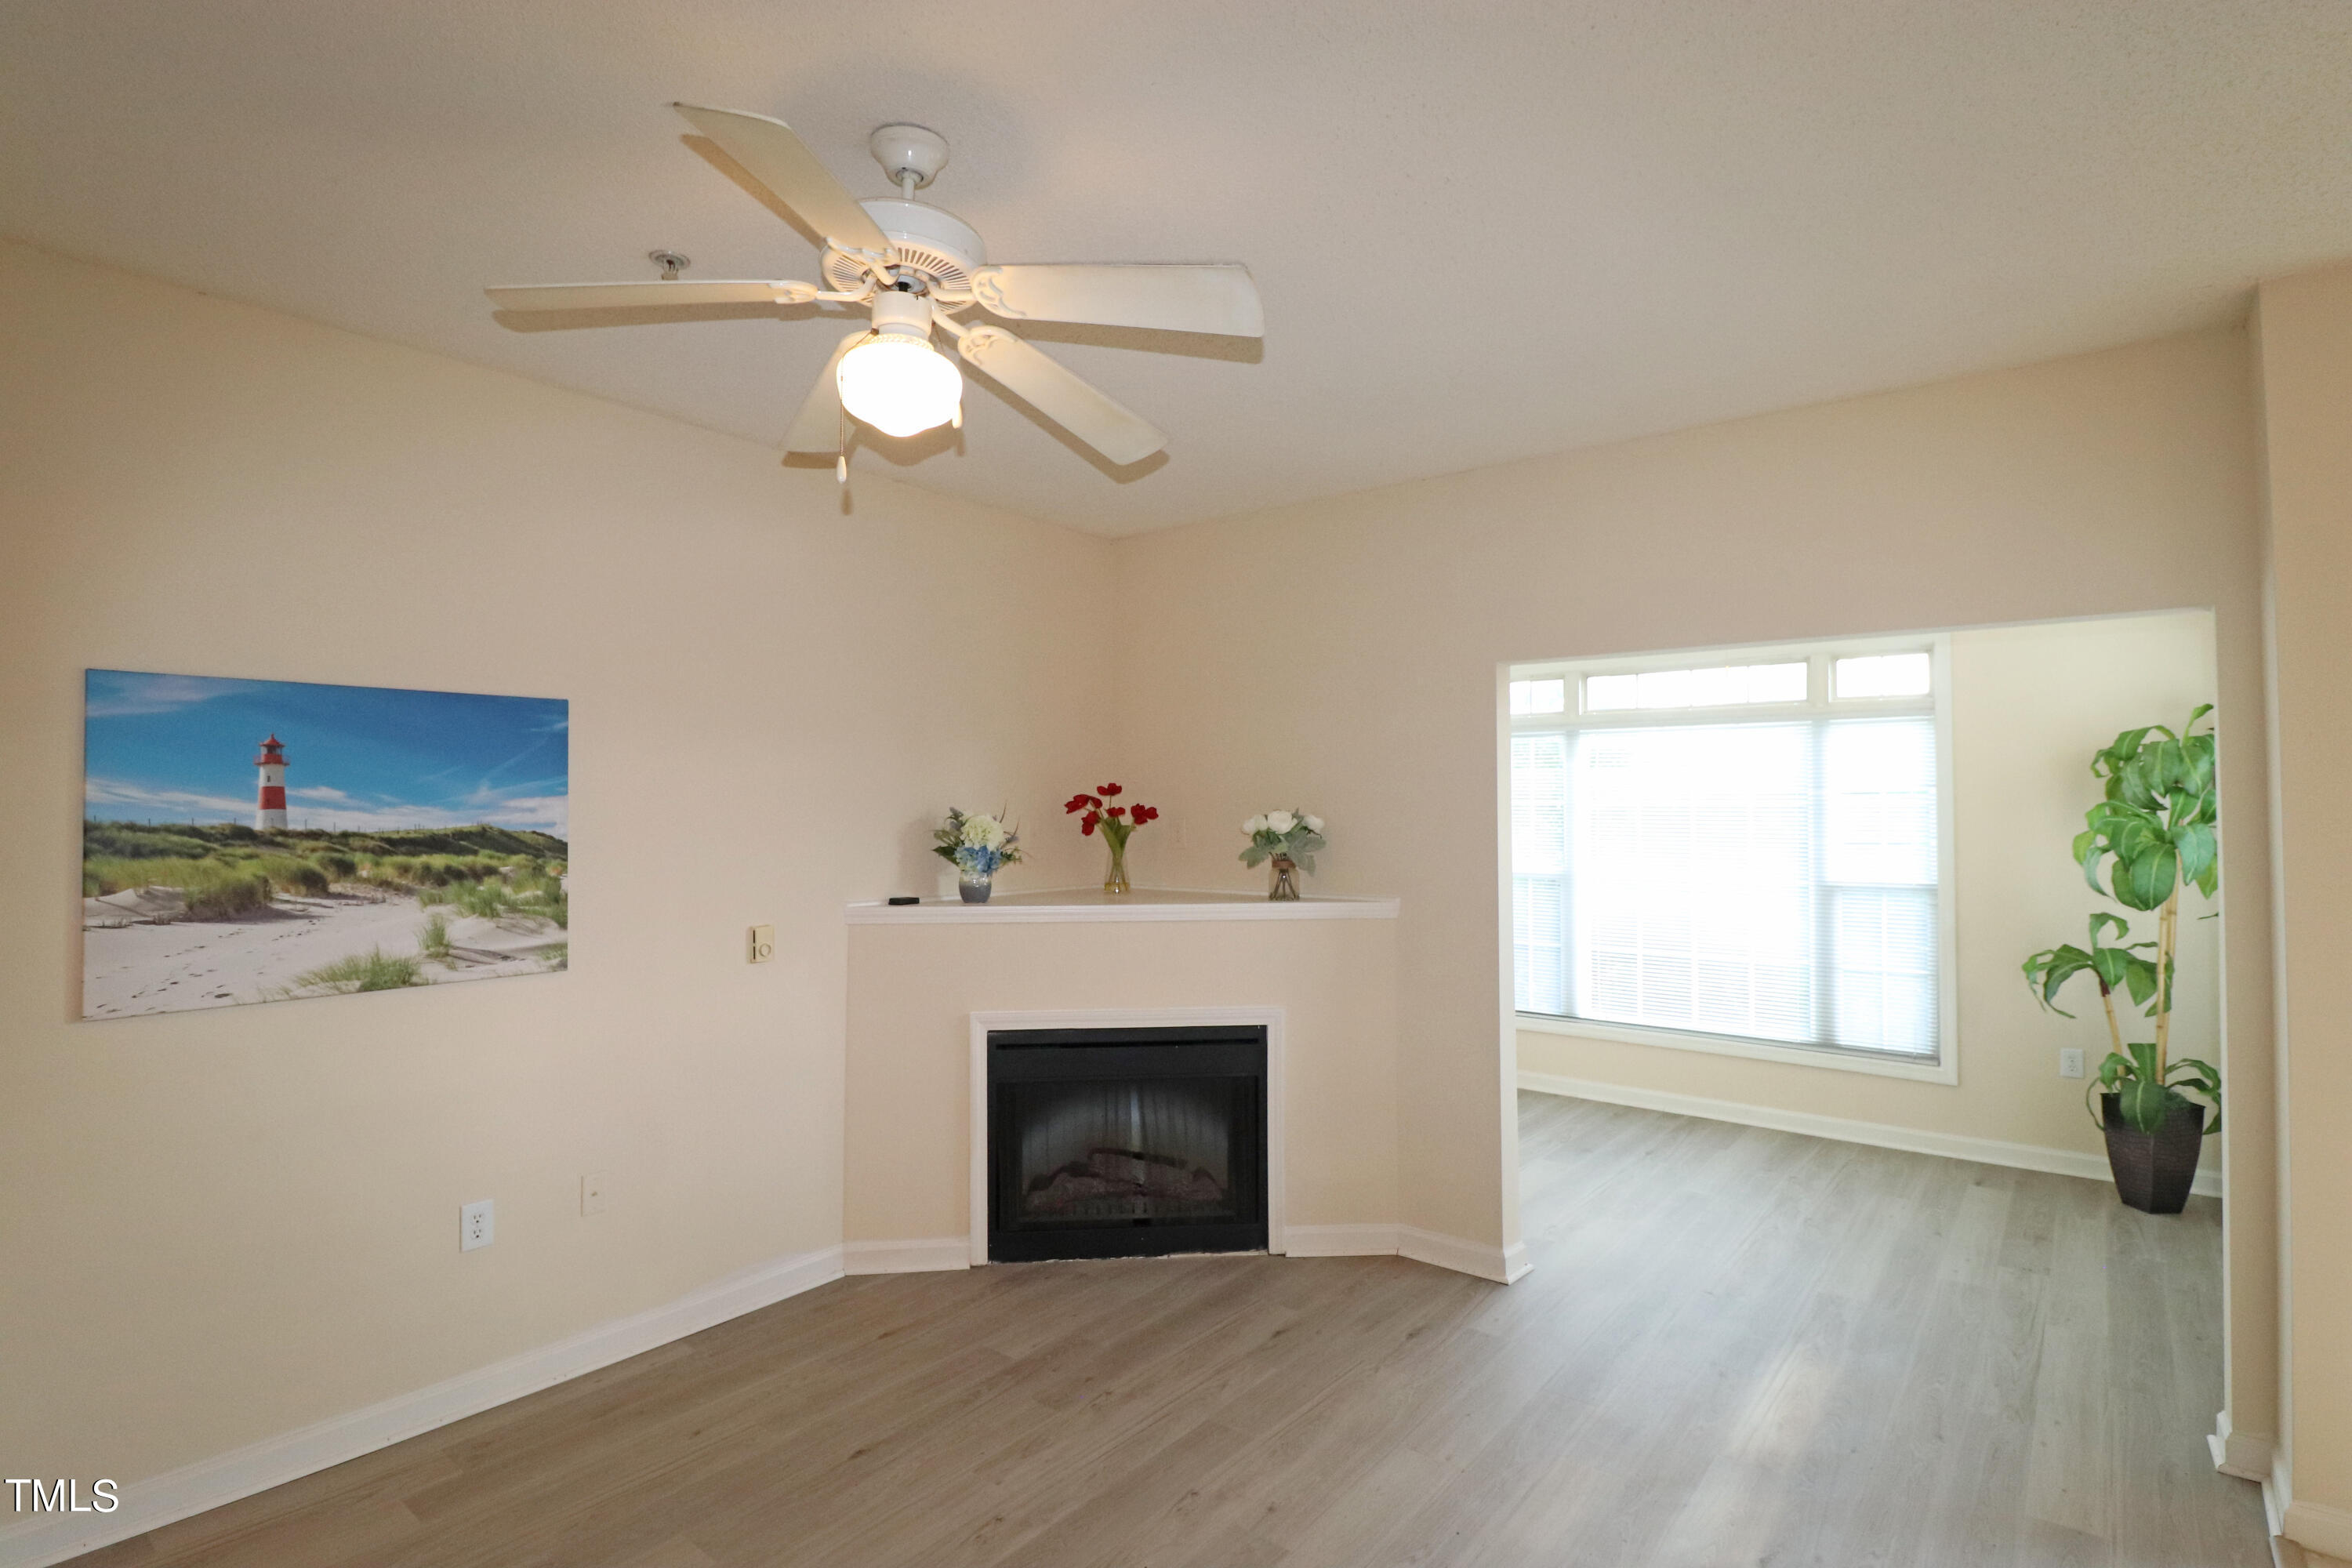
pixel 913 989
pixel 1343 654
pixel 2306 325
pixel 2029 705
pixel 242 1218
pixel 222 1226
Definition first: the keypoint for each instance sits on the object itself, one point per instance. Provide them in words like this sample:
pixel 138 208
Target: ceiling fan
pixel 914 267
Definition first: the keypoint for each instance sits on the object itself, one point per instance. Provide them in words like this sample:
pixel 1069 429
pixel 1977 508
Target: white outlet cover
pixel 478 1225
pixel 2070 1062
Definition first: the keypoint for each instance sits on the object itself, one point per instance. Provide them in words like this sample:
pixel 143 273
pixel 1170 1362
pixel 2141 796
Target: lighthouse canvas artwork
pixel 266 841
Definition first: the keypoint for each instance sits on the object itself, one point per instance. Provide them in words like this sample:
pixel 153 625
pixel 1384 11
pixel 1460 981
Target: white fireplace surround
pixel 929 983
pixel 1270 1019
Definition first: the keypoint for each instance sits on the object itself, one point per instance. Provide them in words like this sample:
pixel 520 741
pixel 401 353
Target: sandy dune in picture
pixel 273 925
pixel 293 949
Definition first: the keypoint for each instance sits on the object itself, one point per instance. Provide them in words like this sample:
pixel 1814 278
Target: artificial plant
pixel 2153 835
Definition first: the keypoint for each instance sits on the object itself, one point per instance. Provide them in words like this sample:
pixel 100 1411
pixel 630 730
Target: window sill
pixel 1946 1072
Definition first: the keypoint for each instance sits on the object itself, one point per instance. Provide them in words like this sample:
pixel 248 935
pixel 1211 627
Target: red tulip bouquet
pixel 1117 823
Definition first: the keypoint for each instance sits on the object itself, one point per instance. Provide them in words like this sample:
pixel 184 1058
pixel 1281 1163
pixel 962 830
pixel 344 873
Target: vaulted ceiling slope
pixel 1483 231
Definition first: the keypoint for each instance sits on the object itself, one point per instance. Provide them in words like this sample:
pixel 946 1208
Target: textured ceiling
pixel 1483 231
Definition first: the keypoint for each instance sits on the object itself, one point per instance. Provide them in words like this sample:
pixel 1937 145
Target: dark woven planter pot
pixel 2154 1170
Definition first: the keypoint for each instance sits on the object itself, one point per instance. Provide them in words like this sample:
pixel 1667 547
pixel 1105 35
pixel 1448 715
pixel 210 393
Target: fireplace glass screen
pixel 1116 1142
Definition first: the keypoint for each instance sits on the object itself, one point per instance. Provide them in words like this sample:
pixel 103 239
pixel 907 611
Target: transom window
pixel 1740 850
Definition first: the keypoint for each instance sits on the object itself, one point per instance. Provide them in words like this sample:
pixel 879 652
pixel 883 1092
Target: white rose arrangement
pixel 976 843
pixel 1292 835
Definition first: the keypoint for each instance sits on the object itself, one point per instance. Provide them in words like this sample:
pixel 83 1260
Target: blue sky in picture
pixel 179 748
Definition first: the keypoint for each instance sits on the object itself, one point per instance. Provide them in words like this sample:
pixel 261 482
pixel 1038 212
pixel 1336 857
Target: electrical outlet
pixel 592 1191
pixel 2070 1062
pixel 477 1226
pixel 763 943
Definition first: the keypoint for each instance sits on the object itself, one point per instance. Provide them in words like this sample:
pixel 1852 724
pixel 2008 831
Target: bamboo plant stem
pixel 2167 925
pixel 2114 1029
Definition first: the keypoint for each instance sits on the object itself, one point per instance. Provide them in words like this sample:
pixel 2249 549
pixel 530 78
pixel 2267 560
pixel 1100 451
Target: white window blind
pixel 1771 879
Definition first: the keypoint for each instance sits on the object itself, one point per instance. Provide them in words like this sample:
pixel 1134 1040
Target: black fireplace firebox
pixel 1126 1143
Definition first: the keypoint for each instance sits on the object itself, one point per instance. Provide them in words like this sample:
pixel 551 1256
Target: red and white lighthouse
pixel 270 807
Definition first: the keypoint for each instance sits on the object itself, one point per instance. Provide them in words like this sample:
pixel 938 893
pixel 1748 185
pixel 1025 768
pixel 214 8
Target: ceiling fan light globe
pixel 899 385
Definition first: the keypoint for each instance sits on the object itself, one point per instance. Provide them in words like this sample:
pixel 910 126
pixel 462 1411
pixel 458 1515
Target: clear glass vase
pixel 1117 881
pixel 1286 878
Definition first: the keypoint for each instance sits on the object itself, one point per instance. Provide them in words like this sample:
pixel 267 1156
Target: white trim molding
pixel 1945 1069
pixel 2245 1455
pixel 1272 1019
pixel 1505 1265
pixel 1879 1134
pixel 925 1257
pixel 241 1473
pixel 1079 905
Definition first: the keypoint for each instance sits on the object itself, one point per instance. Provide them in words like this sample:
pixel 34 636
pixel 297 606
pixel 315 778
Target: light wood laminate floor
pixel 1738 1347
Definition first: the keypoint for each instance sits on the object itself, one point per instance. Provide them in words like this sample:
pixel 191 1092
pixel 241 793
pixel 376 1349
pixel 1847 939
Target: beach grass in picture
pixel 264 840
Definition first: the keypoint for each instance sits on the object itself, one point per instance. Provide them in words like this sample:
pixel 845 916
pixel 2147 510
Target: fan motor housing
pixel 932 242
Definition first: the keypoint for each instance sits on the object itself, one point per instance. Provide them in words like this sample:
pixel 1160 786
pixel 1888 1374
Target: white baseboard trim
pixel 2245 1455
pixel 1340 1240
pixel 1911 1140
pixel 224 1477
pixel 1409 1241
pixel 1461 1256
pixel 927 1256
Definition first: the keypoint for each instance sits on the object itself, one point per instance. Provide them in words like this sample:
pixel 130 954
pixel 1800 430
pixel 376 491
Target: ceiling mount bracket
pixel 909 154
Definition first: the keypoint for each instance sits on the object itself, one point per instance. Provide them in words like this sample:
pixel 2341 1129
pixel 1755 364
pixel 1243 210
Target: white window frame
pixel 1819 658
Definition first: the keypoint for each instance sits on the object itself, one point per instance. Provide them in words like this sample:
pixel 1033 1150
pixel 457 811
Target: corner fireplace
pixel 1126 1143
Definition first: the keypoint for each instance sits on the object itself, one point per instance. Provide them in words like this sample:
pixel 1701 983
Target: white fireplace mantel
pixel 1076 905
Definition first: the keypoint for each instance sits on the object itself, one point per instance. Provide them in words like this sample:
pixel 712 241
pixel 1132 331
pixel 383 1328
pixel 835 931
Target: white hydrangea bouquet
pixel 976 845
pixel 1288 838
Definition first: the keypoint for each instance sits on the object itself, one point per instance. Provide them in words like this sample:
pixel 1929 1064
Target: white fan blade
pixel 776 157
pixel 1114 432
pixel 642 296
pixel 1216 297
pixel 817 426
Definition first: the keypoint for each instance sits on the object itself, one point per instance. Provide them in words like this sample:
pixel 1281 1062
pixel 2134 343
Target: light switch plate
pixel 763 943
pixel 477 1226
pixel 591 1194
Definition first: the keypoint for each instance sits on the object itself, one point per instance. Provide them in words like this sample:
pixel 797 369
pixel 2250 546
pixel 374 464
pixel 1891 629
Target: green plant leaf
pixel 2111 965
pixel 2196 850
pixel 2046 971
pixel 2144 880
pixel 2206 1079
pixel 2204 1075
pixel 2142 780
pixel 2146 1102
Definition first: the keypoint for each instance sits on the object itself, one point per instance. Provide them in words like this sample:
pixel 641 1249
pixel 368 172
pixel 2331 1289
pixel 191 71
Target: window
pixel 1741 852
